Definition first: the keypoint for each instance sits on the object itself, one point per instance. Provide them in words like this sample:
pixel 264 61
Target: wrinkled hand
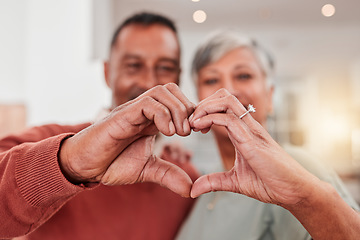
pixel 143 166
pixel 118 149
pixel 262 169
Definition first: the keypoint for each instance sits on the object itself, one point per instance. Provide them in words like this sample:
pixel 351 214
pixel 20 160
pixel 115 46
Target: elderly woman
pixel 231 73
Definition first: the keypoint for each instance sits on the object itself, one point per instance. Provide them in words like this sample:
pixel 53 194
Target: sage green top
pixel 226 215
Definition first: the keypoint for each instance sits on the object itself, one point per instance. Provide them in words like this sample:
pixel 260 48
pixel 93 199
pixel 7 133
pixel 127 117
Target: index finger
pixel 179 105
pixel 175 90
pixel 218 104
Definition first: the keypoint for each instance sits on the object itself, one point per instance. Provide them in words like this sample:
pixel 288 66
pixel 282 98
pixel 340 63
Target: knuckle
pixel 233 117
pixel 232 99
pixel 162 110
pixel 171 86
pixel 182 108
pixel 190 107
pixel 145 100
pixel 224 92
pixel 157 90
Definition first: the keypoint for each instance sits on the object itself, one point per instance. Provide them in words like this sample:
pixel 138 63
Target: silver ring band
pixel 250 109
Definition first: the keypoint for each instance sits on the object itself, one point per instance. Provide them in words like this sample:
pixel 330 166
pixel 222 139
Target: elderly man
pixel 70 182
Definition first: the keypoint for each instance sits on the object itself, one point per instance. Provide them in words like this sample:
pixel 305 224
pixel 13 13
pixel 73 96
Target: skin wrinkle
pixel 175 114
pixel 233 183
pixel 114 125
pixel 188 106
pixel 113 161
pixel 208 179
pixel 247 167
pixel 127 140
pixel 162 178
pixel 180 105
pixel 118 124
pixel 267 193
pixel 143 102
pixel 157 170
pixel 71 168
pixel 232 100
pixel 221 183
pixel 259 183
pixel 141 177
pixel 160 110
pixel 243 168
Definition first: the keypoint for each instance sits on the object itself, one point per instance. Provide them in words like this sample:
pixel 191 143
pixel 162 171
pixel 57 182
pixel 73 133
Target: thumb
pixel 213 182
pixel 167 175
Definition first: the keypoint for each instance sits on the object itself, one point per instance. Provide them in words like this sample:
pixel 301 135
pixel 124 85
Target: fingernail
pixel 186 126
pixel 191 117
pixel 171 128
pixel 196 121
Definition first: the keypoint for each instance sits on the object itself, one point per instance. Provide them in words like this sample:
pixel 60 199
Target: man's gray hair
pixel 221 42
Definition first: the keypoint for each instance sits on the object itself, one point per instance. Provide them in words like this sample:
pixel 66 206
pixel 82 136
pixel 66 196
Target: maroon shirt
pixel 37 200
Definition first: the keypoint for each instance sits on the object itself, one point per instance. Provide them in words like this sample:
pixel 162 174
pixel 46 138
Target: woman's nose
pixel 229 85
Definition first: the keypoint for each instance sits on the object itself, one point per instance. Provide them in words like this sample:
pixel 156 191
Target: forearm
pixel 325 215
pixel 32 187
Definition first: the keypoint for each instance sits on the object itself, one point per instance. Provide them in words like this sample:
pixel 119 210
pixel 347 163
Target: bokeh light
pixel 199 16
pixel 328 10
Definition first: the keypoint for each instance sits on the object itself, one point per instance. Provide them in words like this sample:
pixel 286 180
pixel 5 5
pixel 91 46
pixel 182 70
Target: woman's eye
pixel 210 81
pixel 243 76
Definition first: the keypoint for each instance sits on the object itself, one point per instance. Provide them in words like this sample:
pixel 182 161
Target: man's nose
pixel 149 79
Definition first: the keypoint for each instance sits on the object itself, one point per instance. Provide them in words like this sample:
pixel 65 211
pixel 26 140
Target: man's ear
pixel 178 77
pixel 106 73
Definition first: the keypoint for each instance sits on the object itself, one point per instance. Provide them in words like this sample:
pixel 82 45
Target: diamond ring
pixel 250 109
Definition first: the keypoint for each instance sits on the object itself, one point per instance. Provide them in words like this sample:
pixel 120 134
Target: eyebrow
pixel 165 59
pixel 210 71
pixel 162 59
pixel 240 66
pixel 131 56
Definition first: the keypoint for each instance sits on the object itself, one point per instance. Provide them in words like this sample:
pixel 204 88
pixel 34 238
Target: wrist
pixel 313 196
pixel 326 216
pixel 64 158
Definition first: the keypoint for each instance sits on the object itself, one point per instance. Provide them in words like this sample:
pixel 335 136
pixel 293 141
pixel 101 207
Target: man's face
pixel 142 57
pixel 241 74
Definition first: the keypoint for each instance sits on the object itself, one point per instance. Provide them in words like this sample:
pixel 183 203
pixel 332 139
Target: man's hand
pixel 143 166
pixel 118 149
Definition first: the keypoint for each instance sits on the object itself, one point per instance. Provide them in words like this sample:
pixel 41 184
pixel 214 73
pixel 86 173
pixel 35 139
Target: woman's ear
pixel 270 94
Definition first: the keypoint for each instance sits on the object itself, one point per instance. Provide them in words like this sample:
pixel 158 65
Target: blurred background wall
pixel 51 56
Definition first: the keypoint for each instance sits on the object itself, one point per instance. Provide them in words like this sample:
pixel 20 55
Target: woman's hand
pixel 262 169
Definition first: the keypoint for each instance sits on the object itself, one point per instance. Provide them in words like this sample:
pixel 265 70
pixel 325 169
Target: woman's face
pixel 241 74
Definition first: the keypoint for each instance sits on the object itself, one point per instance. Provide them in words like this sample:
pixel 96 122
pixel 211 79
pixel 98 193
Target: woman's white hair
pixel 219 43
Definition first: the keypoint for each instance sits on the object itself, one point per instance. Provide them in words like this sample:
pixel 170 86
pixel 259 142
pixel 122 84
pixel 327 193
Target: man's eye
pixel 133 65
pixel 243 76
pixel 210 81
pixel 166 68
